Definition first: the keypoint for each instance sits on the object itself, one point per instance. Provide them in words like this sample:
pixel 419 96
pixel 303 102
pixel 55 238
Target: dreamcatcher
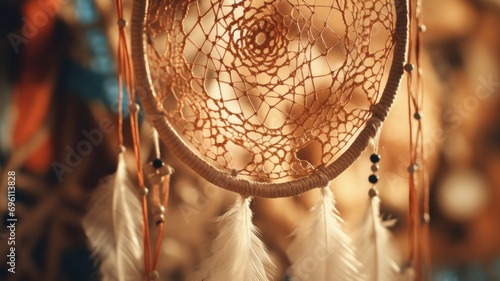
pixel 238 90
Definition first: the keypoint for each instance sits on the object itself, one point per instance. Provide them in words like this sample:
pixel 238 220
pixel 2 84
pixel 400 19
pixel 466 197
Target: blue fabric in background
pixel 89 85
pixel 86 12
pixel 98 81
pixel 469 272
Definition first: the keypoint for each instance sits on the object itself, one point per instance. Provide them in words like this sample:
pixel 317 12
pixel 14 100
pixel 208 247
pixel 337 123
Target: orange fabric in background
pixel 34 88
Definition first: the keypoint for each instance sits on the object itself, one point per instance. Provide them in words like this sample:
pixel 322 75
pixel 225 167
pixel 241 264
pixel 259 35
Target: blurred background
pixel 58 87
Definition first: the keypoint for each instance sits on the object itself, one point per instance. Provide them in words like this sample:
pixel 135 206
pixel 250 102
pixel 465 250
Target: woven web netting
pixel 256 87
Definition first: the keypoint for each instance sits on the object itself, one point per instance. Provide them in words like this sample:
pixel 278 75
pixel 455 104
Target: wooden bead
pixel 153 275
pixel 426 218
pixel 143 191
pixel 158 209
pixel 372 192
pixel 133 108
pixel 413 168
pixel 417 115
pixel 121 149
pixel 122 22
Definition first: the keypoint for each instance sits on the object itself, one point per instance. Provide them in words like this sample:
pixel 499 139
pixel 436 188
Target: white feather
pixel 375 247
pixel 113 225
pixel 321 250
pixel 237 252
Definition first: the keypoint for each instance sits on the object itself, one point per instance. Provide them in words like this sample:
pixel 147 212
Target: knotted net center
pixel 269 89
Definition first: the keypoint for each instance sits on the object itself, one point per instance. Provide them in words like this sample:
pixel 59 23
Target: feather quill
pixel 113 226
pixel 237 252
pixel 376 252
pixel 321 250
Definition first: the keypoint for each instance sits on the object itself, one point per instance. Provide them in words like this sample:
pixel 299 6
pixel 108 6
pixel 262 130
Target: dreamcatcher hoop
pixel 230 181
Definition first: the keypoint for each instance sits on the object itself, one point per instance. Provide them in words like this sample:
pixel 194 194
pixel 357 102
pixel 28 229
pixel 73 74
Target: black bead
pixel 157 163
pixel 373 179
pixel 375 158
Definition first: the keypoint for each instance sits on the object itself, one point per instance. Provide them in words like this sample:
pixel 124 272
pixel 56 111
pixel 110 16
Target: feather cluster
pixel 237 252
pixel 375 249
pixel 322 251
pixel 113 226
